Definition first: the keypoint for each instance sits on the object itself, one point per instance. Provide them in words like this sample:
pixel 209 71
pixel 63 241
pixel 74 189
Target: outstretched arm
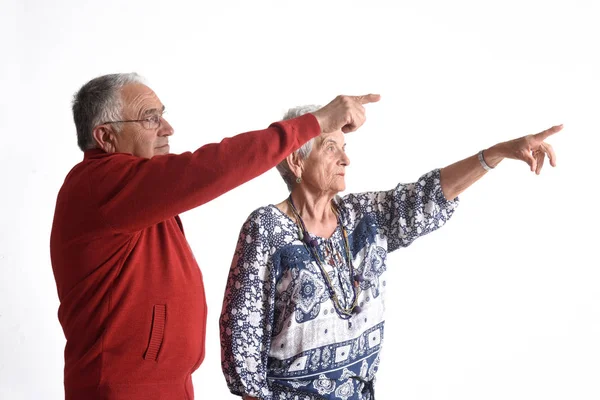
pixel 532 149
pixel 136 192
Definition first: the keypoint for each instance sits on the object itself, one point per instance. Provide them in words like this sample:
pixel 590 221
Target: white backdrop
pixel 502 303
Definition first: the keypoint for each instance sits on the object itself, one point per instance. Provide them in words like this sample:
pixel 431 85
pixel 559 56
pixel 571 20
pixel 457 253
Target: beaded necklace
pixel 311 245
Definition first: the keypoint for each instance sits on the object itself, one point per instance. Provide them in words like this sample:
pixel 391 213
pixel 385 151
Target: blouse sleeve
pixel 406 212
pixel 247 315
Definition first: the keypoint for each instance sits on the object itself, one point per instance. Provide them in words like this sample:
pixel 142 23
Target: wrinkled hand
pixel 532 149
pixel 344 112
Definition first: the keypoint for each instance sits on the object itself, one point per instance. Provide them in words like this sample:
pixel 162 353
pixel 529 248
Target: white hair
pixel 304 151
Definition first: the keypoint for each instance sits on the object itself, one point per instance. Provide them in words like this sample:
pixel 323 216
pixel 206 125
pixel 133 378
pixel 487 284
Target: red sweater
pixel 133 308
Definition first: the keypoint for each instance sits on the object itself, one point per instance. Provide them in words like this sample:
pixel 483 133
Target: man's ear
pixel 104 136
pixel 296 163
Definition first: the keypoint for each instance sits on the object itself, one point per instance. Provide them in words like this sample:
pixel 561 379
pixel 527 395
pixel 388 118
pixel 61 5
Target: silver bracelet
pixel 482 161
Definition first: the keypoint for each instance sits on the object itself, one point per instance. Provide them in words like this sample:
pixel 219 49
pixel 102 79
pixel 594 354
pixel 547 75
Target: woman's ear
pixel 104 136
pixel 295 163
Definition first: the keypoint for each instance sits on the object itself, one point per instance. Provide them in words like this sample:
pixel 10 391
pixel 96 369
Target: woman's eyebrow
pixel 328 140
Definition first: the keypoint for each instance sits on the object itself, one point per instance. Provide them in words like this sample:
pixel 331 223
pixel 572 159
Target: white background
pixel 502 303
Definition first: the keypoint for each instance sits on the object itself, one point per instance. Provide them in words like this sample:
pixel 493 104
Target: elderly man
pixel 133 308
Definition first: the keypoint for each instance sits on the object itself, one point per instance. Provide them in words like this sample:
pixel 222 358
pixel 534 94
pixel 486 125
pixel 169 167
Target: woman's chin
pixel 339 188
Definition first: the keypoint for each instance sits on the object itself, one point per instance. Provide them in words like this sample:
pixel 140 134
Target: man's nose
pixel 165 128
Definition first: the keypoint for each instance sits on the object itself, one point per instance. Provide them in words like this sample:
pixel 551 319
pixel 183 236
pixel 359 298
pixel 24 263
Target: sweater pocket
pixel 157 332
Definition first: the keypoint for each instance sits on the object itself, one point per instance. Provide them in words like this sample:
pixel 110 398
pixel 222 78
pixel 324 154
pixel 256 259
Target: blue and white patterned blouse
pixel 281 337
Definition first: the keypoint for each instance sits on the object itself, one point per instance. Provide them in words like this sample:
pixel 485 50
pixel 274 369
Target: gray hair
pixel 304 151
pixel 99 101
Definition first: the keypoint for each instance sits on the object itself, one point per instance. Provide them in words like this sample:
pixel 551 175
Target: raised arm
pixel 531 149
pixel 402 214
pixel 135 192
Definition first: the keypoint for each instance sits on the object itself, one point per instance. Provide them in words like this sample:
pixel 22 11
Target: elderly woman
pixel 303 313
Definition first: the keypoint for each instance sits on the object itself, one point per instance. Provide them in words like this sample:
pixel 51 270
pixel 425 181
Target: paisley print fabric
pixel 281 336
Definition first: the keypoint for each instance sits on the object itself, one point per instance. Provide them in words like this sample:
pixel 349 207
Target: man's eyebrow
pixel 153 111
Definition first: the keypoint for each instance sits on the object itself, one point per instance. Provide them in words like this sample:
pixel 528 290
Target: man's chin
pixel 162 150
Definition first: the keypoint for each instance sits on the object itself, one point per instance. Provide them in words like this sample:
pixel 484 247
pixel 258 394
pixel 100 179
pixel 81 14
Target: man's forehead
pixel 133 90
pixel 141 99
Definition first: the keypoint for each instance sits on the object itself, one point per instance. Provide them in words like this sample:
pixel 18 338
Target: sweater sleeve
pixel 406 212
pixel 134 193
pixel 246 321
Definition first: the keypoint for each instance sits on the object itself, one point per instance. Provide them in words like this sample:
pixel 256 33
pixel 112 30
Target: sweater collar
pixel 93 153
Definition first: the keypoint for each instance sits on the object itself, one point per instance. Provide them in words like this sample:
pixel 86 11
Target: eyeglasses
pixel 151 122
